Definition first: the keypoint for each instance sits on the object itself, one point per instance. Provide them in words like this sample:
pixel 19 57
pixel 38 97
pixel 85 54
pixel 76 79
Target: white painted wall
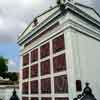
pixel 82 52
pixel 89 62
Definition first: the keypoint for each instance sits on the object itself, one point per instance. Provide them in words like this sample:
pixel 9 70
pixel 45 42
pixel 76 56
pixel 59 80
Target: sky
pixel 15 15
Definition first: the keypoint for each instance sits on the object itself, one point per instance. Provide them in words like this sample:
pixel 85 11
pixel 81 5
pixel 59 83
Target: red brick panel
pixel 58 44
pixel 34 98
pixel 59 63
pixel 45 67
pixel 46 98
pixel 25 59
pixel 46 85
pixel 44 50
pixel 61 98
pixel 25 98
pixel 25 88
pixel 34 70
pixel 25 73
pixel 34 55
pixel 78 86
pixel 61 84
pixel 34 87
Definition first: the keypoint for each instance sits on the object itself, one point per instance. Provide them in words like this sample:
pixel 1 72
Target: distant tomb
pixel 14 96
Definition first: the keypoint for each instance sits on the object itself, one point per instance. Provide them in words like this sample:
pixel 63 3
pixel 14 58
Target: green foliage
pixel 4 70
pixel 3 66
pixel 12 76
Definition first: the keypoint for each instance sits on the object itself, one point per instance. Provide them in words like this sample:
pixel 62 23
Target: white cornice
pixel 69 7
pixel 83 14
pixel 69 24
pixel 85 30
pixel 39 26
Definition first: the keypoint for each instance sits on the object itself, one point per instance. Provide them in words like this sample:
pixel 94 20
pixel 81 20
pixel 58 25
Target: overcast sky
pixel 15 15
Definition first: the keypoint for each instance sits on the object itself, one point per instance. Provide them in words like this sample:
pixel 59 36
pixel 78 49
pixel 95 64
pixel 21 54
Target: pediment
pixel 45 15
pixel 41 18
pixel 90 11
pixel 48 16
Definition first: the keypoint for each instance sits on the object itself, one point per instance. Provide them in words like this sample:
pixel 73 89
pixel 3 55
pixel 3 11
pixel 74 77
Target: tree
pixel 4 70
pixel 13 76
pixel 3 66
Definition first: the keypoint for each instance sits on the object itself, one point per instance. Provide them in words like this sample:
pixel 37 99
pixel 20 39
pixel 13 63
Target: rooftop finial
pixel 35 21
pixel 63 1
pixel 70 0
pixel 59 2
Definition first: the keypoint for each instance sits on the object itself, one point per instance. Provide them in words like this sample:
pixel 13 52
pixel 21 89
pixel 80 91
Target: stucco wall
pixel 89 59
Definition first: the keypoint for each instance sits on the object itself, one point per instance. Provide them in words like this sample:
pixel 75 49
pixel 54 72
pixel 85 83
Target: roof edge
pixel 76 3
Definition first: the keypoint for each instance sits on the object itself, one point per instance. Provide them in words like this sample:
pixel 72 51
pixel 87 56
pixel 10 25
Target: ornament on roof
pixel 61 4
pixel 35 21
pixel 70 0
pixel 14 96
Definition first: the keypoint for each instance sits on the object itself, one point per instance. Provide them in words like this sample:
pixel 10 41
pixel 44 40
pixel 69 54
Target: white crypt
pixel 60 53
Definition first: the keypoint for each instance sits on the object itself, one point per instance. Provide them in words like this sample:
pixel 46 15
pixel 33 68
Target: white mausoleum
pixel 60 52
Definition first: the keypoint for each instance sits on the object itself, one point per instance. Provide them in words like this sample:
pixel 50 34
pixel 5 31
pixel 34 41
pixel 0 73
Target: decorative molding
pixel 67 25
pixel 69 7
pixel 42 33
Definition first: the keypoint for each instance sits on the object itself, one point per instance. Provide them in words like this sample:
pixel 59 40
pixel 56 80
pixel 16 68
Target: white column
pixel 51 70
pixel 29 75
pixel 76 54
pixel 39 75
pixel 20 77
pixel 70 64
